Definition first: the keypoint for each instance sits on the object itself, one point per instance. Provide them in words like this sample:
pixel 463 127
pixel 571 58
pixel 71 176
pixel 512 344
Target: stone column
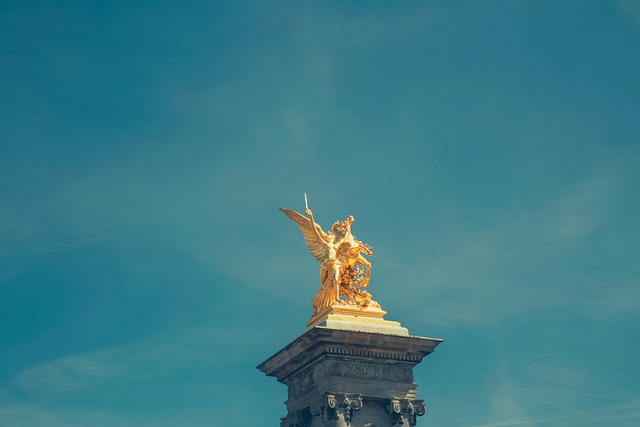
pixel 351 368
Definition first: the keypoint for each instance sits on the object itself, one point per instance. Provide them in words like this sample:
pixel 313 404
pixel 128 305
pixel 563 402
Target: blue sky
pixel 489 151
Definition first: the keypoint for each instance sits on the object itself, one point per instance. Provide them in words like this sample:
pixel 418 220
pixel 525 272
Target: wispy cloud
pixel 521 262
pixel 623 413
pixel 157 356
pixel 505 399
pixel 517 389
pixel 29 398
pixel 23 233
pixel 630 9
pixel 10 272
pixel 36 415
pixel 612 300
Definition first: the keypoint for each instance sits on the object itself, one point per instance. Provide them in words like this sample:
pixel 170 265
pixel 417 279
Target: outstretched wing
pixel 304 224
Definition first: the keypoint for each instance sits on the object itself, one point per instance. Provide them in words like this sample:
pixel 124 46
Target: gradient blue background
pixel 489 151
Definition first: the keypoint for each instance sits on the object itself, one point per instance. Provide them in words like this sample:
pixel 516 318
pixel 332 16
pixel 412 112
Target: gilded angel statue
pixel 343 269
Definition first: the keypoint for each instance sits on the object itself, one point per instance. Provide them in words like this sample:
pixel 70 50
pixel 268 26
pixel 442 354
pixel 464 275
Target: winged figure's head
pixel 342 227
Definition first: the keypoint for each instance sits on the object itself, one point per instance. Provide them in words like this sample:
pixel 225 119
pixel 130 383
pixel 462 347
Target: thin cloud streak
pixel 484 276
pixel 153 357
pixel 620 411
pixel 26 398
pixel 10 272
pixel 630 9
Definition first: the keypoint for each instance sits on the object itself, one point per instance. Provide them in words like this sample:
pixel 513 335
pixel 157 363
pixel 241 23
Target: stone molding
pixel 321 342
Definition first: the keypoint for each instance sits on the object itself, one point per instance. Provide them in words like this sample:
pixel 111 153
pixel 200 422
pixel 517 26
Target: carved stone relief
pixel 337 406
pixel 301 383
pixel 296 419
pixel 401 410
pixel 362 370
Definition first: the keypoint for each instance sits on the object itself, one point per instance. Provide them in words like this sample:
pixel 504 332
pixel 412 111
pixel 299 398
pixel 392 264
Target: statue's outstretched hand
pixel 308 212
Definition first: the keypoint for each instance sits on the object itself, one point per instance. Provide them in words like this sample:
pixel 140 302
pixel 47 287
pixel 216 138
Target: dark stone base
pixel 339 377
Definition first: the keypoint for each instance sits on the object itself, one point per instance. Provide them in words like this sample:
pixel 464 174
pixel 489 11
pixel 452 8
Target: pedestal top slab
pixel 350 318
pixel 322 342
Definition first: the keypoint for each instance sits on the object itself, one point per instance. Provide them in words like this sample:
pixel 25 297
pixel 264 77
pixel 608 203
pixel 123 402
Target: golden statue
pixel 344 272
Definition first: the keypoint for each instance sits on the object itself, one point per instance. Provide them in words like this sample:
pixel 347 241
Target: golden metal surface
pixel 344 272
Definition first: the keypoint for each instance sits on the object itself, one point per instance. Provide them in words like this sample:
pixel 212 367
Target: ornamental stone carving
pixel 337 406
pixel 401 410
pixel 296 419
pixel 301 383
pixel 362 370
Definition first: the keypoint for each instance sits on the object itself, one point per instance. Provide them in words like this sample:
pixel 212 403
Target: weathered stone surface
pixel 349 377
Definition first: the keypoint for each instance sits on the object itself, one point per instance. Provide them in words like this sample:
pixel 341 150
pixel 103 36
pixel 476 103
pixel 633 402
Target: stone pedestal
pixel 351 368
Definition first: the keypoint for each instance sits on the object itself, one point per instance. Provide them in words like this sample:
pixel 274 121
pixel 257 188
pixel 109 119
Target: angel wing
pixel 304 223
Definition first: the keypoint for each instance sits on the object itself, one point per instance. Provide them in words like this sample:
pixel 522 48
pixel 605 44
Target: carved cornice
pixel 321 342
